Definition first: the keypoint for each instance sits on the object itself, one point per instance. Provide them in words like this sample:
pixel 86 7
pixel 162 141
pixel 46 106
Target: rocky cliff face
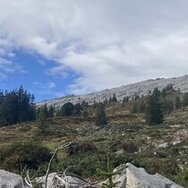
pixel 140 88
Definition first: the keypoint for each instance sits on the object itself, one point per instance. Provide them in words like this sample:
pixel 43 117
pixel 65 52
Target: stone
pixel 67 182
pixel 10 180
pixel 50 179
pixel 141 88
pixel 133 177
pixel 139 178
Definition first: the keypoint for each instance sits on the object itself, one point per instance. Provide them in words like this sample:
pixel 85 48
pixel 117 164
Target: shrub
pixel 80 148
pixel 21 155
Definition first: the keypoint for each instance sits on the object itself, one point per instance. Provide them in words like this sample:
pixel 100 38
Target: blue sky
pixel 57 48
pixel 34 75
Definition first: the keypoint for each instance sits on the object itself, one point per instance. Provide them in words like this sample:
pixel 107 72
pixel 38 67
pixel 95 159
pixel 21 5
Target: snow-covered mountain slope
pixel 140 88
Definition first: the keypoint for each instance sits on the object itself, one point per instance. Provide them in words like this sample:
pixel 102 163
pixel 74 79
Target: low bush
pixel 24 155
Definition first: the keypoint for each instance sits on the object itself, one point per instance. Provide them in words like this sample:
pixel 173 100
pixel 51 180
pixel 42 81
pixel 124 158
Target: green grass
pixel 122 126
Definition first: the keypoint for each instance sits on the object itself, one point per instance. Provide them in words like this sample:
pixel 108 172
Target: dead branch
pixel 54 154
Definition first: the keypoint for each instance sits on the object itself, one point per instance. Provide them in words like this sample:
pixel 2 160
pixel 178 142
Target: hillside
pixel 127 138
pixel 140 88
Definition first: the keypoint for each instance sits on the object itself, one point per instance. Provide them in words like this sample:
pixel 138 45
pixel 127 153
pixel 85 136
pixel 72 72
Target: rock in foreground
pixel 10 180
pixel 138 177
pixel 133 177
pixel 128 176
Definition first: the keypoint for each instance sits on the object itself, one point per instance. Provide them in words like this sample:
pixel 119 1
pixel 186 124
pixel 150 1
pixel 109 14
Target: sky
pixel 55 48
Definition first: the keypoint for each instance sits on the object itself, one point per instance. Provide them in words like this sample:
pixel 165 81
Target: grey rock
pixel 56 179
pixel 139 178
pixel 41 180
pixel 10 180
pixel 133 177
pixel 140 88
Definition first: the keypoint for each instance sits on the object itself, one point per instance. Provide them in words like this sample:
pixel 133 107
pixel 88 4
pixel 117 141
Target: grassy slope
pixel 123 126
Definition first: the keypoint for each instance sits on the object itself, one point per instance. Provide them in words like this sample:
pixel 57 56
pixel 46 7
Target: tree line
pixel 16 106
pixel 163 102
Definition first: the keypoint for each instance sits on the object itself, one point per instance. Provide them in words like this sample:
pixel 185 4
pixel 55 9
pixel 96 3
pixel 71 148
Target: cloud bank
pixel 106 43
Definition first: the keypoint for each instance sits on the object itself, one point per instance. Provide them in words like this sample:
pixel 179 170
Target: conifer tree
pixel 114 99
pixel 154 112
pixel 51 112
pixel 125 99
pixel 109 175
pixel 16 106
pixel 178 103
pixel 101 119
pixel 185 100
pixel 110 99
pixel 41 118
pixel 67 109
pixel 78 109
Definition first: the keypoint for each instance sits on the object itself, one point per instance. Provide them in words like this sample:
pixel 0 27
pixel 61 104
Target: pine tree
pixel 101 119
pixel 16 106
pixel 167 106
pixel 154 112
pixel 135 107
pixel 178 103
pixel 114 99
pixel 109 175
pixel 41 118
pixel 110 99
pixel 125 99
pixel 185 100
pixel 78 109
pixel 51 112
pixel 67 109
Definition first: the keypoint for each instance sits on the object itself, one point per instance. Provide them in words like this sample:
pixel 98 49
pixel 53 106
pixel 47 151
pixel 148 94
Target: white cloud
pixel 47 86
pixel 108 43
pixel 8 67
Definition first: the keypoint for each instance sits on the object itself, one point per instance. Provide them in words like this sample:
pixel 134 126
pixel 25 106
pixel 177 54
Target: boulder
pixel 41 180
pixel 132 177
pixel 139 178
pixel 57 179
pixel 10 180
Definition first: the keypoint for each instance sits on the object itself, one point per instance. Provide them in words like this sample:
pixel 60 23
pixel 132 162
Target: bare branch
pixel 54 154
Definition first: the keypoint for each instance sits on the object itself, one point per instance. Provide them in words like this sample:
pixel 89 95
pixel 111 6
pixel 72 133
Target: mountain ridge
pixel 129 90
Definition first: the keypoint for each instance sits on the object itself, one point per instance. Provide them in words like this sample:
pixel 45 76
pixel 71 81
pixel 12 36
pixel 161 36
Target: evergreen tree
pixel 41 118
pixel 185 100
pixel 110 99
pixel 167 106
pixel 67 109
pixel 109 175
pixel 178 103
pixel 101 119
pixel 78 109
pixel 125 99
pixel 114 99
pixel 142 107
pixel 154 112
pixel 136 97
pixel 94 104
pixel 16 106
pixel 51 112
pixel 105 101
pixel 135 107
pixel 84 104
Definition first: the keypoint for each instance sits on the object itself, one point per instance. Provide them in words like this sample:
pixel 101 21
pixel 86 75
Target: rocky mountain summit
pixel 129 177
pixel 140 88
